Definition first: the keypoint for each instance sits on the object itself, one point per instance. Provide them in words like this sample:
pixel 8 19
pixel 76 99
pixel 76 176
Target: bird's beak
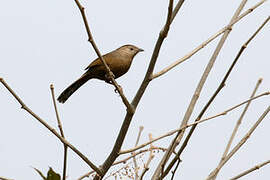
pixel 140 50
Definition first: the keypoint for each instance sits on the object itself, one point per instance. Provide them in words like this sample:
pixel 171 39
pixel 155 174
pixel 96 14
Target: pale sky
pixel 44 42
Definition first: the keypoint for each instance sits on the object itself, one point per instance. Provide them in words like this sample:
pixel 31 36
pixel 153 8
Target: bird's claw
pixel 109 75
pixel 120 89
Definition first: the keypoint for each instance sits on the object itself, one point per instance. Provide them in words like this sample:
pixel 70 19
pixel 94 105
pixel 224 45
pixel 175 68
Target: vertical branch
pixel 61 131
pixel 151 156
pixel 195 96
pixel 134 158
pixel 239 145
pixel 222 84
pixel 162 35
pixel 124 128
pixel 238 124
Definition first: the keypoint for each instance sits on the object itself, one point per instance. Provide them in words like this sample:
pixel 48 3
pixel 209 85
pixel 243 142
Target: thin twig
pixel 194 99
pixel 61 131
pixel 251 170
pixel 174 171
pixel 239 145
pixel 150 158
pixel 196 122
pixel 63 140
pixel 237 125
pixel 134 159
pixel 109 72
pixel 2 178
pixel 202 45
pixel 124 161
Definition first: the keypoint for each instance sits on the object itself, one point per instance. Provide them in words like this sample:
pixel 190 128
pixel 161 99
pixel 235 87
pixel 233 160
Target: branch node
pixel 23 106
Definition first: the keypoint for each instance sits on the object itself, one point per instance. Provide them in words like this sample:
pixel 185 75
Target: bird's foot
pixel 120 89
pixel 109 75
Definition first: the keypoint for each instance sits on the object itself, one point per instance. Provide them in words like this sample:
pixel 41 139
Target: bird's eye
pixel 131 49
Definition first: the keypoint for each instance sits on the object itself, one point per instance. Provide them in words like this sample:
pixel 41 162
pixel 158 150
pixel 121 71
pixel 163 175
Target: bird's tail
pixel 72 88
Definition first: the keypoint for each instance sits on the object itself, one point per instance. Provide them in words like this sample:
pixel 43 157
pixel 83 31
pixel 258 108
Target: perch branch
pixel 126 123
pixel 109 72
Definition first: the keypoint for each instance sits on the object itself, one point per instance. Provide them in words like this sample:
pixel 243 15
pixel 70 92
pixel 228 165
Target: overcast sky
pixel 44 42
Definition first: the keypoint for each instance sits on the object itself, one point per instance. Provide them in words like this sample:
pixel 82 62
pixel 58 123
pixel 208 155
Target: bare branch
pixel 194 99
pixel 109 72
pixel 251 170
pixel 201 46
pixel 196 122
pixel 239 145
pixel 63 140
pixel 151 156
pixel 61 131
pixel 162 35
pixel 124 128
pixel 124 161
pixel 239 121
pixel 2 178
pixel 134 159
pixel 238 124
pixel 222 84
pixel 177 165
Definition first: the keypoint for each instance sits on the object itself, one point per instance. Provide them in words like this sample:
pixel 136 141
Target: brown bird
pixel 119 62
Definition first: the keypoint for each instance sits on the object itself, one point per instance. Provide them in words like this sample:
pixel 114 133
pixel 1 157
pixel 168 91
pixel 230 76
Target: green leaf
pixel 51 175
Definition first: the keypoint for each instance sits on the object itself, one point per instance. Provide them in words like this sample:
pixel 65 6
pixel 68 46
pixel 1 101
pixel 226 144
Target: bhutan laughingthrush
pixel 119 62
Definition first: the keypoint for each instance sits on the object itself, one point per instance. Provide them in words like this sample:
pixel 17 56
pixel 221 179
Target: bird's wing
pixel 97 62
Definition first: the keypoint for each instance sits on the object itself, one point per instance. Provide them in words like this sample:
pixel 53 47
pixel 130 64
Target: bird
pixel 119 62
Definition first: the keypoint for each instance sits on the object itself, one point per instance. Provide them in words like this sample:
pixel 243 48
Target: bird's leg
pixel 108 80
pixel 116 91
pixel 108 76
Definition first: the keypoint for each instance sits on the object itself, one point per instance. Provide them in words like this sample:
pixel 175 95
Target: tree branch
pixel 61 131
pixel 151 156
pixel 126 123
pixel 239 145
pixel 63 140
pixel 237 125
pixel 201 46
pixel 134 159
pixel 194 99
pixel 251 170
pixel 222 84
pixel 194 123
pixel 109 72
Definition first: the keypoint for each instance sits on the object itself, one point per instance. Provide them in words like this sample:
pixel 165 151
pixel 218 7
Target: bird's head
pixel 130 50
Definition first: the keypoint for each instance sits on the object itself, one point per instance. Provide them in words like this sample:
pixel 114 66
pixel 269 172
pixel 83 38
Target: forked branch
pixel 52 130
